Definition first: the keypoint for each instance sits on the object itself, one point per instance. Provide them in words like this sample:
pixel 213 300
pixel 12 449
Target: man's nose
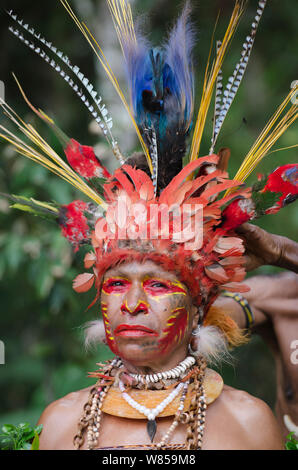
pixel 135 302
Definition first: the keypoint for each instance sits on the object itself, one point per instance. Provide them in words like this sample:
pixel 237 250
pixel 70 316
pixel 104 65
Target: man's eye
pixel 159 284
pixel 116 283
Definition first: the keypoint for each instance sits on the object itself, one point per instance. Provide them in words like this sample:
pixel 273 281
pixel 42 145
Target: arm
pixel 266 248
pixel 268 296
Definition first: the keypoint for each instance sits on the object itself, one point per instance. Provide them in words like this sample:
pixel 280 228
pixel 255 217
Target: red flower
pixel 237 213
pixel 283 180
pixel 83 160
pixel 73 223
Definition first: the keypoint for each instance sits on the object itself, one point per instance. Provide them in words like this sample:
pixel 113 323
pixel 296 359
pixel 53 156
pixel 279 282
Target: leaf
pixel 291 443
pixel 8 428
pixel 35 442
pixel 25 446
pixel 265 201
pixel 24 427
pixel 38 428
pixel 260 184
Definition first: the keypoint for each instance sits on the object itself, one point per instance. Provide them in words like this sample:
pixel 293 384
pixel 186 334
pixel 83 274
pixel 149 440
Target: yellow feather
pixel 51 161
pixel 101 57
pixel 273 130
pixel 210 79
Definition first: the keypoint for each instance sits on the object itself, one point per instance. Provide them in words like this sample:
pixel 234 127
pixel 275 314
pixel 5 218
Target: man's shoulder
pixel 67 403
pixel 60 419
pixel 249 421
pixel 245 406
pixel 239 398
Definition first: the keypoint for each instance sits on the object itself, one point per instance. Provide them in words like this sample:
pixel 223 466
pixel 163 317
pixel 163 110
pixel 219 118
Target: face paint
pixel 141 307
pixel 116 285
pixel 175 329
pixel 160 287
pixel 110 338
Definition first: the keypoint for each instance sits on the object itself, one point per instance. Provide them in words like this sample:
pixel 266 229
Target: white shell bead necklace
pixel 151 413
pixel 169 374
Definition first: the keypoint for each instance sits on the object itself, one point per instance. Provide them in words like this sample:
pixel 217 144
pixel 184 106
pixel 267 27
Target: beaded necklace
pixel 194 417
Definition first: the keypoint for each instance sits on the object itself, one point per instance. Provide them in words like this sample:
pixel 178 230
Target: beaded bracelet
pixel 249 316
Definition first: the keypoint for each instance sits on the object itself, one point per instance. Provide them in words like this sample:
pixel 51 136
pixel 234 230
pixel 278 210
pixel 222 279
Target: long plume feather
pixel 103 61
pixel 235 79
pixel 273 130
pixel 210 79
pixel 97 108
pixel 178 55
pixel 45 155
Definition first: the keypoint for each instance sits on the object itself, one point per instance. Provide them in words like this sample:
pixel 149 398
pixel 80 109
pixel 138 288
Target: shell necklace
pixel 151 413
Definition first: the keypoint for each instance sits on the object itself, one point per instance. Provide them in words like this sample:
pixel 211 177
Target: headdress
pixel 182 217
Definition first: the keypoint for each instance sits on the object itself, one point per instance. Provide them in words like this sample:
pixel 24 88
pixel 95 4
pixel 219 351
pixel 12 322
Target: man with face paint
pixel 157 277
pixel 149 318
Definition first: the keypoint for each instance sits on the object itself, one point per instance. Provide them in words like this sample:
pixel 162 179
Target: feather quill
pixel 237 76
pixel 96 107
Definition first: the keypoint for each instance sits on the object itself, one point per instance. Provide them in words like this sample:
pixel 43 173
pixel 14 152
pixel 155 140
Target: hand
pixel 263 248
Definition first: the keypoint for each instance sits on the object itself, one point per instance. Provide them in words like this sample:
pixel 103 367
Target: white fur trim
pixel 209 342
pixel 94 333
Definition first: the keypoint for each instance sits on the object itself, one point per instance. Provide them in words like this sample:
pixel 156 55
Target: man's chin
pixel 138 353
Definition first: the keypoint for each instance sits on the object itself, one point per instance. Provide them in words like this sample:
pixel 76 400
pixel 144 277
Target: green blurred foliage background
pixel 41 317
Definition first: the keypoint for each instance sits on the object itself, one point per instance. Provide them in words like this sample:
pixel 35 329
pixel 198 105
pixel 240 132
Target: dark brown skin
pixel 263 248
pixel 235 420
pixel 274 302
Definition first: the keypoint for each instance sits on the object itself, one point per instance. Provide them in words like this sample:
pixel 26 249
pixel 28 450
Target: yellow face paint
pixel 165 287
pixel 142 305
pixel 110 338
pixel 116 286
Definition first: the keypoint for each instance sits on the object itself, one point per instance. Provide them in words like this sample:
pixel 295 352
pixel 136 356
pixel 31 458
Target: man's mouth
pixel 134 331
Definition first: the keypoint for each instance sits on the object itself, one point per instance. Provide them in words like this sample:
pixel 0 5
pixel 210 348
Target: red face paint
pixel 116 285
pixel 157 287
pixel 175 329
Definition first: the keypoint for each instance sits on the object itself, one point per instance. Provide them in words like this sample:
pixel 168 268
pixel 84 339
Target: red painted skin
pixel 116 286
pixel 177 321
pixel 166 288
pixel 177 326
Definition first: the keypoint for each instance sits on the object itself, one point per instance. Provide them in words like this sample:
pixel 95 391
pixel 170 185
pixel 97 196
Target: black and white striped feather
pixel 96 107
pixel 218 98
pixel 235 79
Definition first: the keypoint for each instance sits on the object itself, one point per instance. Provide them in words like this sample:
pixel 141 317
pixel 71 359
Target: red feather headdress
pixel 181 218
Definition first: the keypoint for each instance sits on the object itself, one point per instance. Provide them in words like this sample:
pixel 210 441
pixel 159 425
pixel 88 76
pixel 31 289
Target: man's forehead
pixel 136 269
